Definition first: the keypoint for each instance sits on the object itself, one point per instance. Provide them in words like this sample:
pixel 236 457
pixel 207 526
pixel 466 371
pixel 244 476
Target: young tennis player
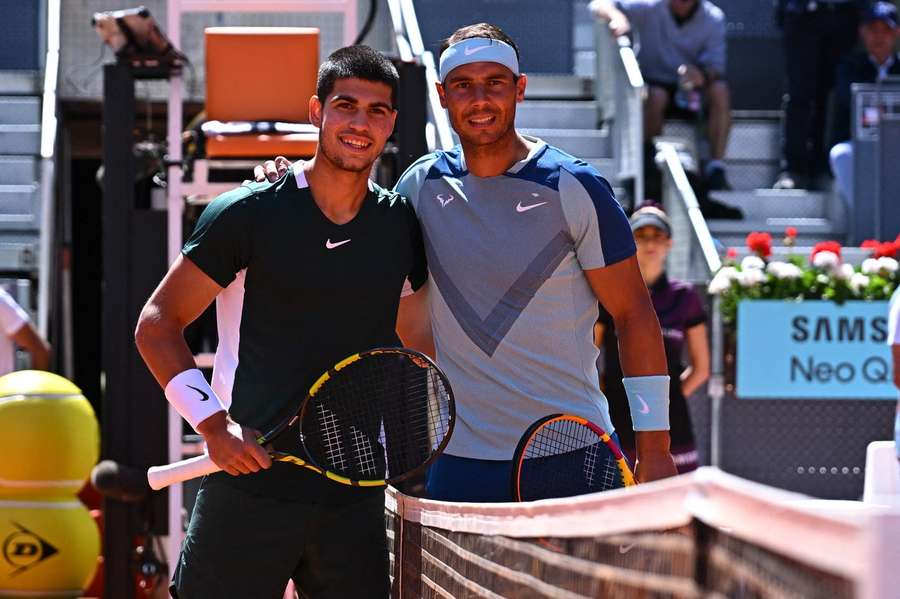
pixel 305 271
pixel 522 241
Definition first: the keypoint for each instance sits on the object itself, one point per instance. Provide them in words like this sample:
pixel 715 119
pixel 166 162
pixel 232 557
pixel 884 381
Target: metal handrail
pixel 694 258
pixel 406 29
pixel 619 93
pixel 403 47
pixel 48 151
pixel 691 234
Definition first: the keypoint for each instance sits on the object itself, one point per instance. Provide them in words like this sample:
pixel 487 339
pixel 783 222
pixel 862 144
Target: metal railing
pixel 694 258
pixel 410 46
pixel 48 151
pixel 619 93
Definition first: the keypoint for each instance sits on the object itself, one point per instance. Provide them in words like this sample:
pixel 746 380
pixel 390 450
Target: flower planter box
pixel 813 349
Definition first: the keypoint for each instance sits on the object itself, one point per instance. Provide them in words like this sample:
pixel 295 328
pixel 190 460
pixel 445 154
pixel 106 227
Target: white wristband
pixel 192 397
pixel 648 398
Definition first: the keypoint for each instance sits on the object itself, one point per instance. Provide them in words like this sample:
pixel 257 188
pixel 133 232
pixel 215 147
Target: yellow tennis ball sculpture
pixel 47 548
pixel 49 437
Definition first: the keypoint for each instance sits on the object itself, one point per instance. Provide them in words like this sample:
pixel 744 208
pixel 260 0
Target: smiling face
pixel 481 98
pixel 354 121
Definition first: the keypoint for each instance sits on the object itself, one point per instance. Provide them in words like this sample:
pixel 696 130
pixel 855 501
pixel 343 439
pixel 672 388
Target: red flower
pixel 870 244
pixel 887 249
pixel 760 244
pixel 826 246
pixel 731 253
pixel 790 232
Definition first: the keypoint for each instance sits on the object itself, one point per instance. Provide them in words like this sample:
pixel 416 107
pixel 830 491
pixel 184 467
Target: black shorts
pixel 673 111
pixel 245 546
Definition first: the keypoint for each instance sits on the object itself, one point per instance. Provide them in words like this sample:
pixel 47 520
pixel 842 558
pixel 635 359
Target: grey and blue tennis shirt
pixel 511 309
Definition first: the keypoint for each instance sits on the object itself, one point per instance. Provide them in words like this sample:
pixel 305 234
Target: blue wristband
pixel 648 398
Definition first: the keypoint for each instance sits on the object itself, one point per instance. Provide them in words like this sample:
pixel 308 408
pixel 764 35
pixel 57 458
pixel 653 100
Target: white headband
pixel 478 49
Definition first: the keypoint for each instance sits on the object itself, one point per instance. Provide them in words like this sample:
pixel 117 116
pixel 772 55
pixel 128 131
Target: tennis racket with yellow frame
pixel 375 418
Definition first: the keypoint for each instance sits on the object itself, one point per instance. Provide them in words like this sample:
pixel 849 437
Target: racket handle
pixel 160 477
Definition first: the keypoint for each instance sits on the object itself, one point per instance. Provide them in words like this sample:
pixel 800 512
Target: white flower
pixel 784 270
pixel 826 261
pixel 752 261
pixel 844 272
pixel 870 266
pixel 858 281
pixel 774 266
pixel 791 271
pixel 887 264
pixel 751 277
pixel 722 281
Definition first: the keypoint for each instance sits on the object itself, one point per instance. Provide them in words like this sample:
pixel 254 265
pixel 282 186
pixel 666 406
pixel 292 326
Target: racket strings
pixel 565 458
pixel 386 414
pixel 334 449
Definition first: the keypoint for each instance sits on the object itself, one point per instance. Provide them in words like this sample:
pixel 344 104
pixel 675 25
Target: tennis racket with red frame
pixel 562 455
pixel 375 418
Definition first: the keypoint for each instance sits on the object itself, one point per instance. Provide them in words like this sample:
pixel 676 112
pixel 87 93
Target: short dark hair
pixel 485 30
pixel 356 62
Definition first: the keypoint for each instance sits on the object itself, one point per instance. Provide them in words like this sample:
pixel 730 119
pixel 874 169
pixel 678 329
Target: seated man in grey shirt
pixel 682 59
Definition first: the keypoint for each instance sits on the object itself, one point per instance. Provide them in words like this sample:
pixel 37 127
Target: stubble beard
pixel 338 161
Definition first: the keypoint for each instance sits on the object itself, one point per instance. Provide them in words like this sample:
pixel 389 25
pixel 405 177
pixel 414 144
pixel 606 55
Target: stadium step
pixel 550 114
pixel 20 139
pixel 19 205
pixel 559 87
pixel 18 170
pixel 771 203
pixel 754 139
pixel 753 153
pixel 733 233
pixel 20 110
pixel 584 143
pixel 19 256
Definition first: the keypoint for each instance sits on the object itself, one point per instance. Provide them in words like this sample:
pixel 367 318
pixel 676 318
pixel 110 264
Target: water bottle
pixel 688 98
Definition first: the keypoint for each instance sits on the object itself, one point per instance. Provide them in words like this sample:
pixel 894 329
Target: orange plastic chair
pixel 261 74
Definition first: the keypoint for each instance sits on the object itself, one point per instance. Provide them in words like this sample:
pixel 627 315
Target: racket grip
pixel 160 477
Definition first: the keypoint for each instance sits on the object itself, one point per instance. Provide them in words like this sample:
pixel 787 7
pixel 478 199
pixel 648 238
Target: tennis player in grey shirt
pixel 681 45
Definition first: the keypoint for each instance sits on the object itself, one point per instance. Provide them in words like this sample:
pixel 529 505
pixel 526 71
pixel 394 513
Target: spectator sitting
pixel 682 58
pixel 879 33
pixel 18 331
